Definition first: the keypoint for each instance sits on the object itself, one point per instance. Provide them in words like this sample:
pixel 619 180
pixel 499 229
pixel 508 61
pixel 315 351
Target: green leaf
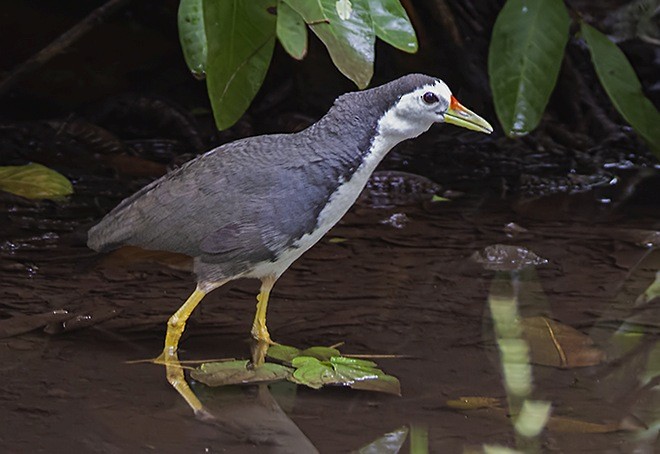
pixel 349 42
pixel 192 36
pixel 237 372
pixel 623 87
pixel 291 31
pixel 312 372
pixel 241 39
pixel 284 353
pixel 392 24
pixel 339 370
pixel 34 181
pixel 524 58
pixel 344 9
pixel 320 353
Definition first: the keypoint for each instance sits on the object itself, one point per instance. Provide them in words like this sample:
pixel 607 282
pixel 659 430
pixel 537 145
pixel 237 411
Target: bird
pixel 250 208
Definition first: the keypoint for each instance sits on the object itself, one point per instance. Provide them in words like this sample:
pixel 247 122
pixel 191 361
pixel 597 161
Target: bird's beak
pixel 459 115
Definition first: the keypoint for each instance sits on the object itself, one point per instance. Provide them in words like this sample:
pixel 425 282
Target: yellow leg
pixel 259 329
pixel 175 327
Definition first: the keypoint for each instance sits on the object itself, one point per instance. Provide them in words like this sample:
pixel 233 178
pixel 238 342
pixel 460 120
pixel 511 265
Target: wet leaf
pixel 344 9
pixel 291 31
pixel 392 24
pixel 284 353
pixel 622 86
pixel 320 353
pixel 34 181
pixel 192 36
pixel 350 43
pixel 473 403
pixel 390 443
pixel 355 373
pixel 241 39
pixel 237 372
pixel 526 50
pixel 337 240
pixel 555 344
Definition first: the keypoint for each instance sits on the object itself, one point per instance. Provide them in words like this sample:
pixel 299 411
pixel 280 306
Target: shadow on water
pixel 529 325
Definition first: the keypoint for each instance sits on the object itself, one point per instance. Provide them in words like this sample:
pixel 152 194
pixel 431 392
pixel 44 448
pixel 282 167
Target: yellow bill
pixel 459 115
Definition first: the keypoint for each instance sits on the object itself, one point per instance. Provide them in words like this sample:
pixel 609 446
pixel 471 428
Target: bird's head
pixel 425 101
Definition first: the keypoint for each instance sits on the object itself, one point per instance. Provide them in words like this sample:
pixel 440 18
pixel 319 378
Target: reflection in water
pixel 590 316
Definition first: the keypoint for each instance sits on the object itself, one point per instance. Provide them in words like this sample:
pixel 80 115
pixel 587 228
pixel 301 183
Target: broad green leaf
pixel 524 58
pixel 34 181
pixel 354 373
pixel 392 24
pixel 623 87
pixel 312 372
pixel 192 36
pixel 320 353
pixel 241 39
pixel 236 373
pixel 349 42
pixel 284 353
pixel 291 31
pixel 344 9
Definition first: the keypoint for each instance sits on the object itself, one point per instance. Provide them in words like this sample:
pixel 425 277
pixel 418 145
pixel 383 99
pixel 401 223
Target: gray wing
pixel 238 203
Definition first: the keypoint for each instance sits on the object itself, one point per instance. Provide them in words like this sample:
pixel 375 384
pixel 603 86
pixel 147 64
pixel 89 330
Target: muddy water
pixel 396 280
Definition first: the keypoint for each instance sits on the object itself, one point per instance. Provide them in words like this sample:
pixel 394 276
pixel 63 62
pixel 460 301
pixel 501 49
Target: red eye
pixel 430 98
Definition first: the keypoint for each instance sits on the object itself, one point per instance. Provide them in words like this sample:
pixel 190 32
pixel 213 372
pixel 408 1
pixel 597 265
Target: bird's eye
pixel 430 97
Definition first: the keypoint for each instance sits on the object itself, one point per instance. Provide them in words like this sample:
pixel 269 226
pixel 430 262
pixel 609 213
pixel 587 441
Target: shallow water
pixel 397 280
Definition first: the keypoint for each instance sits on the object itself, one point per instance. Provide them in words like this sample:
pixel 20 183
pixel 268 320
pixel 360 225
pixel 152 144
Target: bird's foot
pixel 261 335
pixel 166 358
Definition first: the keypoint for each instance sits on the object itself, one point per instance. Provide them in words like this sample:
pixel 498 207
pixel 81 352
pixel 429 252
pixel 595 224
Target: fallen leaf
pixel 473 403
pixel 34 181
pixel 237 372
pixel 554 344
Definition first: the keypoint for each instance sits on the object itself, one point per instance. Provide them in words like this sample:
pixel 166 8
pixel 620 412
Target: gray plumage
pixel 245 202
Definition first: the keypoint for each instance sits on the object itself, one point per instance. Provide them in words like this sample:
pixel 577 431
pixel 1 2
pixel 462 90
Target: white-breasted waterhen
pixel 250 208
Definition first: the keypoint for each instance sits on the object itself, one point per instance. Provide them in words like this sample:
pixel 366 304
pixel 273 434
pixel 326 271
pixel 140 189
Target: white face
pixel 415 112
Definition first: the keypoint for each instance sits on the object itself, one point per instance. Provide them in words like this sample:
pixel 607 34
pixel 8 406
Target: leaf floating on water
pixel 390 443
pixel 237 373
pixel 342 371
pixel 474 403
pixel 34 181
pixel 283 353
pixel 555 344
pixel 320 353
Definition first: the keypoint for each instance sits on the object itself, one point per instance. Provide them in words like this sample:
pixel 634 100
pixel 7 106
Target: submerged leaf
pixel 193 36
pixel 34 181
pixel 622 86
pixel 554 344
pixel 473 403
pixel 524 58
pixel 237 372
pixel 241 39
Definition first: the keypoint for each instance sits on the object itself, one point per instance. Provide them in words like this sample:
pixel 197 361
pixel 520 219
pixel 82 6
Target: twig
pixel 60 44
